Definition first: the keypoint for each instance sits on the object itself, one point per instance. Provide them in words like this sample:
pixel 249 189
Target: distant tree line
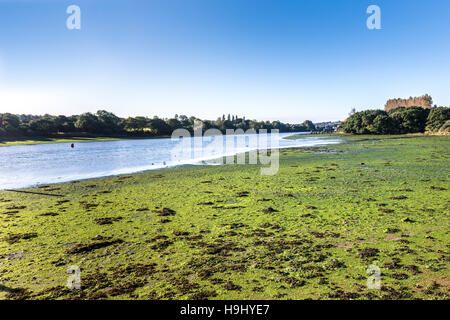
pixel 108 124
pixel 424 101
pixel 398 120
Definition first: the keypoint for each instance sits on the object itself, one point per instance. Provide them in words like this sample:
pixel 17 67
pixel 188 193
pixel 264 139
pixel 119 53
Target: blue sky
pixel 264 59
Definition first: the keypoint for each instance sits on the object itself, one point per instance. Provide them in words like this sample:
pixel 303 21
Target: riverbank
pixel 26 141
pixel 227 232
pixel 40 140
pixel 31 141
pixel 30 166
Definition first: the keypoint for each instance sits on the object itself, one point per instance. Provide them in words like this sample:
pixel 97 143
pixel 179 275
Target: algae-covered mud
pixel 331 221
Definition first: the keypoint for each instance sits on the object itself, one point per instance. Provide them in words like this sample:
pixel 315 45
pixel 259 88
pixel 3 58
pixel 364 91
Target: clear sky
pixel 263 59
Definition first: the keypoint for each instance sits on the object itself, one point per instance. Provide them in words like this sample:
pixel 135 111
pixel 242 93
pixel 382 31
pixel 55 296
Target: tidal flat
pixel 227 232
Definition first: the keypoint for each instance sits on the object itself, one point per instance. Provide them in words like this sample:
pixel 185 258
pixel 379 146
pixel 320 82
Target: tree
pixel 109 122
pixel 382 124
pixel 436 118
pixel 353 124
pixel 43 126
pixel 398 120
pixel 365 122
pixel 64 124
pixel 445 127
pixel 174 124
pixel 88 122
pixel 309 125
pixel 159 127
pixel 135 124
pixel 9 120
pixel 410 119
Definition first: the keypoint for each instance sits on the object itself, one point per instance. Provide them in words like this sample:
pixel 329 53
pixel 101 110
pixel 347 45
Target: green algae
pixel 227 232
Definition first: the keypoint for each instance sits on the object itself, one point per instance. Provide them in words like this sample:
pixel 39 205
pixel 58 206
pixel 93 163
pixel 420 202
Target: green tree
pixel 410 119
pixel 365 122
pixel 445 127
pixel 64 124
pixel 174 124
pixel 382 124
pixel 159 127
pixel 309 125
pixel 436 118
pixel 136 124
pixel 88 122
pixel 109 122
pixel 43 126
pixel 9 120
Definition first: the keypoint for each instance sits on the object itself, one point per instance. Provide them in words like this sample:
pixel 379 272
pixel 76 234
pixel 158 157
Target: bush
pixel 445 127
pixel 437 118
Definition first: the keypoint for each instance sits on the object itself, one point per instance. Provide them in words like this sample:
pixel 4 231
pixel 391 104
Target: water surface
pixel 29 165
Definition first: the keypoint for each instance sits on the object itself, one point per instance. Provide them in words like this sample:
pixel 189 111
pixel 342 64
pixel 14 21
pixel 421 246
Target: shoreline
pixel 188 163
pixel 44 140
pixel 50 140
pixel 349 138
pixel 346 138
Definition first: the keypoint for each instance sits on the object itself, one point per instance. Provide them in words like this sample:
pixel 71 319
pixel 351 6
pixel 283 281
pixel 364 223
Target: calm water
pixel 30 165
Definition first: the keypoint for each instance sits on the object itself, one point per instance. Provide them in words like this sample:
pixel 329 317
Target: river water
pixel 30 165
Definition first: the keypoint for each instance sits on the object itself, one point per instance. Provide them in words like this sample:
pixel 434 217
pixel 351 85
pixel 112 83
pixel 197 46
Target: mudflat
pixel 227 232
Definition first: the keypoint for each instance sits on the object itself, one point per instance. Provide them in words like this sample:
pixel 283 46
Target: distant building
pixel 329 126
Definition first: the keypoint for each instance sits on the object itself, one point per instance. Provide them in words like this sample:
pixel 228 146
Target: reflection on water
pixel 29 165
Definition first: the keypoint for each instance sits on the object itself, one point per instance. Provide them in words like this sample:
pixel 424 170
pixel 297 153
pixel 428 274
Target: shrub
pixel 445 127
pixel 437 118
